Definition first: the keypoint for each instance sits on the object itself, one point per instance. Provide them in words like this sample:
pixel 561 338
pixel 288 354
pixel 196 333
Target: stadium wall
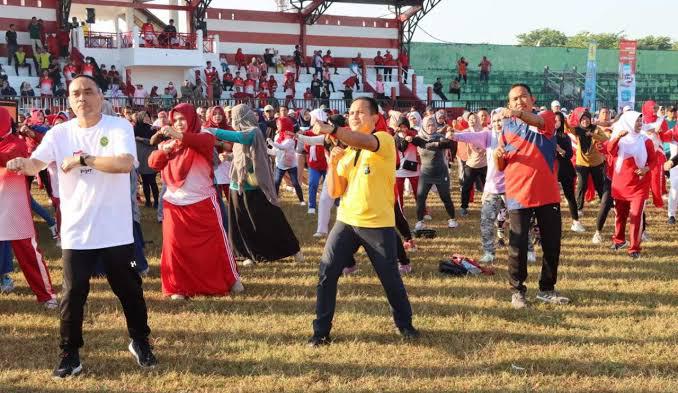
pixel 20 13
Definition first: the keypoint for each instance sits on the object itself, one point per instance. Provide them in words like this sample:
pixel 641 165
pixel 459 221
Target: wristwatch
pixel 83 157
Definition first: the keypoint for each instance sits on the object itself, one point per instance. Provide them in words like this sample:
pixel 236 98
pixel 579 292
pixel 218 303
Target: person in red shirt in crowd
pixel 462 67
pixel 655 129
pixel 290 91
pixel 240 61
pixel 389 64
pixel 250 85
pixel 88 67
pixel 634 156
pixel 16 221
pixel 148 33
pixel 317 170
pixel 227 81
pixel 64 40
pixel 308 96
pixel 527 155
pixel 352 82
pixel 53 45
pixel 262 96
pixel 328 61
pixel 238 82
pixel 70 71
pixel 485 65
pixel 378 62
pixel 211 73
pixel 263 84
pixel 359 61
pixel 272 85
pixel 46 87
pixel 113 73
pixel 404 64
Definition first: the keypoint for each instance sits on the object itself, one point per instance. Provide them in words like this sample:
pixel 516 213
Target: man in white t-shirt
pixel 95 154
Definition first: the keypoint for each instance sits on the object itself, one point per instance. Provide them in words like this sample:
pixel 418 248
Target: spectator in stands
pixel 198 93
pixel 12 44
pixel 140 96
pixel 6 89
pixel 379 88
pixel 26 90
pixel 272 85
pixel 88 67
pixel 290 91
pixel 327 77
pixel 325 95
pixel 20 60
pixel 211 73
pixel 328 61
pixel 316 85
pixel 318 62
pixel 357 64
pixel 348 92
pixel 485 66
pixel 389 65
pixel 455 88
pixel 299 61
pixel 378 62
pixel 35 32
pixel 268 59
pixel 438 89
pixel 64 40
pixel 404 64
pixel 249 85
pixel 240 61
pixel 148 33
pixel 238 82
pixel 3 74
pixel 69 72
pixel 216 89
pixel 171 89
pixel 52 44
pixel 253 70
pixel 352 81
pixel 227 81
pixel 309 97
pixel 46 84
pixel 42 58
pixel 462 68
pixel 113 73
pixel 169 34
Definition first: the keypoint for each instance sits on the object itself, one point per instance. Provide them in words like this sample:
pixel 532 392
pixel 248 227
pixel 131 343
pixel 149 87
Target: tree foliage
pixel 552 37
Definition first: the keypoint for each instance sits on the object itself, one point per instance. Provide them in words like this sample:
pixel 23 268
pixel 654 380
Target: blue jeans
pixel 314 177
pixel 6 264
pixel 277 179
pixel 42 212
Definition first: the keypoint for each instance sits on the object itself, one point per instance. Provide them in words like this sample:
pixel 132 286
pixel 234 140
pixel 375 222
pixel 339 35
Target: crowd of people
pixel 222 169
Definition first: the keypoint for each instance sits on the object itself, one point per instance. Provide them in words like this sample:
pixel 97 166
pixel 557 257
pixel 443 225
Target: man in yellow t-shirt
pixel 363 176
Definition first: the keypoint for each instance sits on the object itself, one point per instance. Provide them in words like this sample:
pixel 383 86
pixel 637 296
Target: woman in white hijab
pixel 634 157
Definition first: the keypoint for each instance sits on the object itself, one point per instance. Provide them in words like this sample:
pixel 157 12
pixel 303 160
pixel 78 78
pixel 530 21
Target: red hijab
pixel 5 122
pixel 285 124
pixel 650 115
pixel 210 123
pixel 179 165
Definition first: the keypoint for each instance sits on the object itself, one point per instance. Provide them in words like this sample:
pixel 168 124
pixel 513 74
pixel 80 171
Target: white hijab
pixel 633 144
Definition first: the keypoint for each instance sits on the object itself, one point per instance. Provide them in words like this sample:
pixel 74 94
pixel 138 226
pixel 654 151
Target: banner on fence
pixel 626 85
pixel 591 74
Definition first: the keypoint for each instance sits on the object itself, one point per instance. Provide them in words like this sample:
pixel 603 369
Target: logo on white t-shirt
pixel 103 141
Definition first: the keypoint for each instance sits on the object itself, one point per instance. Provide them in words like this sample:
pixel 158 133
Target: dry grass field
pixel 619 334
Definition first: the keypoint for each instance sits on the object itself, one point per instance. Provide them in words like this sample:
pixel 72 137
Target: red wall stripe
pixel 52 4
pixel 288 17
pixel 293 39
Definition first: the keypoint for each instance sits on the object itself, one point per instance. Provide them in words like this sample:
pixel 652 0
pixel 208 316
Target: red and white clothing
pixel 249 86
pixel 69 71
pixel 316 154
pixel 196 257
pixel 46 85
pixel 629 190
pixel 211 74
pixel 16 220
pixel 88 69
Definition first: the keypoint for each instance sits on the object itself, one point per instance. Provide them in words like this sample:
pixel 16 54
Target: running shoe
pixel 419 226
pixel 351 270
pixel 518 300
pixel 597 238
pixel 577 227
pixel 51 304
pixel 69 365
pixel 143 353
pixel 531 257
pixel 6 284
pixel 619 246
pixel 552 297
pixel 452 223
pixel 487 258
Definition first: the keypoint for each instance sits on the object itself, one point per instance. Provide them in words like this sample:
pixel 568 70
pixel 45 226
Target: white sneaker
pixel 247 262
pixel 299 257
pixel 302 203
pixel 577 227
pixel 452 223
pixel 487 258
pixel 531 257
pixel 419 226
pixel 319 234
pixel 311 211
pixel 176 296
pixel 237 287
pixel 51 304
pixel 428 217
pixel 645 237
pixel 597 238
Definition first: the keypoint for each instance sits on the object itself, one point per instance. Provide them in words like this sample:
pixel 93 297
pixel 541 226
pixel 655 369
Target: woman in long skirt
pixel 196 257
pixel 257 227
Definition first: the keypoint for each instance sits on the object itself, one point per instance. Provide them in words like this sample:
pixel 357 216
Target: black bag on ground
pixel 452 269
pixel 425 233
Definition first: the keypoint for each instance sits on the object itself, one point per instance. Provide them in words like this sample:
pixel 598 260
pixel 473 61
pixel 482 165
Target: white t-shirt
pixel 95 206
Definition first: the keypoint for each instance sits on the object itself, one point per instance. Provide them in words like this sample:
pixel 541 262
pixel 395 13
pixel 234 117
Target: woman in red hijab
pixel 216 118
pixel 196 257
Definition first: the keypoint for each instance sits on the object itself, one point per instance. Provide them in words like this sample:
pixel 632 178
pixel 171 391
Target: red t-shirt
pixel 350 82
pixel 211 74
pixel 315 155
pixel 379 60
pixel 461 65
pixel 263 98
pixel 88 69
pixel 238 81
pixel 249 86
pixel 626 184
pixel 46 84
pixel 272 86
pixel 69 70
pixel 531 173
pixel 308 95
pixel 388 60
pixel 228 77
pixel 328 59
pixel 485 65
pixel 240 58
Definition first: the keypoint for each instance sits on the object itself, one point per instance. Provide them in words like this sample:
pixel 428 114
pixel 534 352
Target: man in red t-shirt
pixel 249 86
pixel 290 91
pixel 389 65
pixel 404 63
pixel 148 32
pixel 46 84
pixel 272 85
pixel 227 81
pixel 262 96
pixel 70 70
pixel 238 82
pixel 211 73
pixel 378 62
pixel 485 65
pixel 328 61
pixel 527 155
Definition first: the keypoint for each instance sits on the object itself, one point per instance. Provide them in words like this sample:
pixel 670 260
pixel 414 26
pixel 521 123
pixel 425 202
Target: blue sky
pixel 498 22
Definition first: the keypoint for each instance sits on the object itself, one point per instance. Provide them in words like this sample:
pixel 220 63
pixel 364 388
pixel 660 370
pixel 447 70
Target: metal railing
pixel 148 40
pixel 94 39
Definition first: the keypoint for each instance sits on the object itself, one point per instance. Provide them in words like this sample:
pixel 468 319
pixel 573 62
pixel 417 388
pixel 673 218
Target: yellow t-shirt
pixel 43 59
pixel 369 197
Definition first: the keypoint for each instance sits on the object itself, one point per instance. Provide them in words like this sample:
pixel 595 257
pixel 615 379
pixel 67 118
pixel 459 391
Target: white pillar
pixel 135 36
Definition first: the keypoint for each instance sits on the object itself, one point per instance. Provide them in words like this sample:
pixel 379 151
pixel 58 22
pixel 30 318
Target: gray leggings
pixel 443 192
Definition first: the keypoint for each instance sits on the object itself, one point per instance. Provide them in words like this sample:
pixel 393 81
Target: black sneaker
pixel 464 212
pixel 619 246
pixel 68 366
pixel 318 341
pixel 634 255
pixel 142 352
pixel 672 220
pixel 409 333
